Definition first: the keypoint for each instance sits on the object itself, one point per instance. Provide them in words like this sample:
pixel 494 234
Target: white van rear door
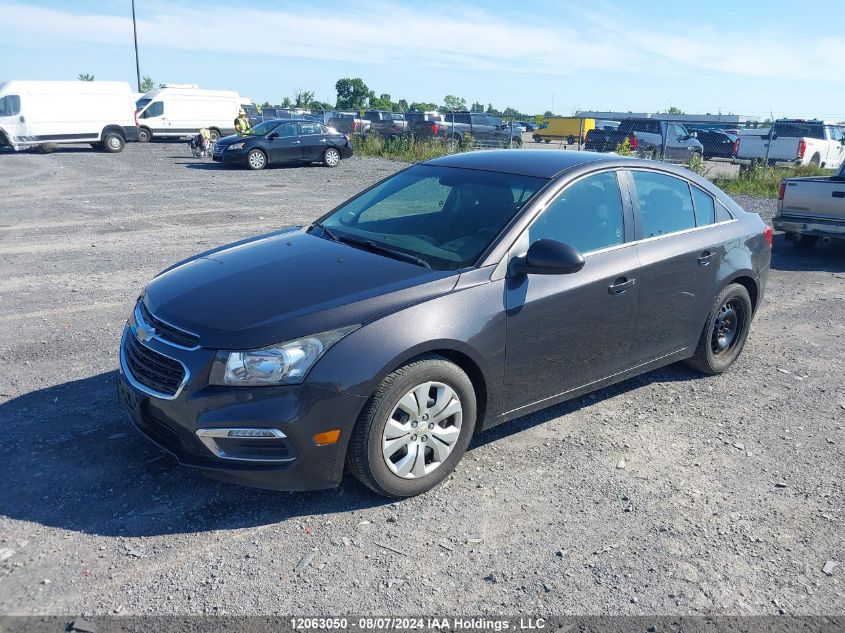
pixel 12 118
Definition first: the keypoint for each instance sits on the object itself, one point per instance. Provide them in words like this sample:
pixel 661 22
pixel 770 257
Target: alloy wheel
pixel 257 160
pixel 422 430
pixel 332 157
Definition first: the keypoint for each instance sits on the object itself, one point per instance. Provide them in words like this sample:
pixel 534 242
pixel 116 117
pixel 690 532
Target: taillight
pixel 355 125
pixel 781 189
pixel 736 147
pixel 769 234
pixel 802 147
pixel 633 141
pixel 435 129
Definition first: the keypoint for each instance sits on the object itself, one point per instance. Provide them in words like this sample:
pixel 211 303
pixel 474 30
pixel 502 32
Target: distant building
pixel 696 120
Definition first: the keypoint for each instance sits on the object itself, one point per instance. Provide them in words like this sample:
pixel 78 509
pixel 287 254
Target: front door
pixel 567 331
pixel 285 145
pixel 313 141
pixel 680 255
pixel 12 120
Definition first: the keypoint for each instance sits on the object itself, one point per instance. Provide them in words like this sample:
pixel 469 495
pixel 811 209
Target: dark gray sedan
pixel 451 297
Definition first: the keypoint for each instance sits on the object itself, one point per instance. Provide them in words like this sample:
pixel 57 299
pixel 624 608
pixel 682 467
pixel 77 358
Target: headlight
pixel 282 364
pixel 235 146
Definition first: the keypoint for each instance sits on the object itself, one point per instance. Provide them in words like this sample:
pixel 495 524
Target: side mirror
pixel 549 257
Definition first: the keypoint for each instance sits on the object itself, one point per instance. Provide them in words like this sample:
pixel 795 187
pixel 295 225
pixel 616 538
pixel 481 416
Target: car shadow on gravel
pixel 823 257
pixel 71 459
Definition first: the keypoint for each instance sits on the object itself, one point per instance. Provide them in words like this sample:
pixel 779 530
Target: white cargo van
pixel 43 113
pixel 177 110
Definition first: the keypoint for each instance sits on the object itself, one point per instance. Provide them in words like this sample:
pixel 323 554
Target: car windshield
pixel 263 128
pixel 140 104
pixel 444 216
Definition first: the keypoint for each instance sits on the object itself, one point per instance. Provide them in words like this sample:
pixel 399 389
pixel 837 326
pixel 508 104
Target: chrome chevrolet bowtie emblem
pixel 144 333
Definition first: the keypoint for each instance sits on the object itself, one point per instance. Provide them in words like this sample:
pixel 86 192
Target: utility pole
pixel 135 33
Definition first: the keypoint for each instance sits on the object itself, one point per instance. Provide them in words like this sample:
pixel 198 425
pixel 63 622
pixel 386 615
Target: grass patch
pixel 403 148
pixel 759 181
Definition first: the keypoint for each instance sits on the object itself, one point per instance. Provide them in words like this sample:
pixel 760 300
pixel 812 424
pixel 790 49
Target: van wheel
pixel 331 157
pixel 46 148
pixel 256 159
pixel 548 140
pixel 570 140
pixel 113 143
pixel 214 135
pixel 414 429
pixel 537 139
pixel 144 135
pixel 725 331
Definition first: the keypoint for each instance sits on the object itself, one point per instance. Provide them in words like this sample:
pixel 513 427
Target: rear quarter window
pixel 705 208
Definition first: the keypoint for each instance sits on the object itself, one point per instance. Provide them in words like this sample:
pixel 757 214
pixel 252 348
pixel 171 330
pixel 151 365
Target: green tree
pixel 674 110
pixel 147 84
pixel 451 102
pixel 85 77
pixel 423 106
pixel 382 102
pixel 303 99
pixel 476 107
pixel 491 109
pixel 287 102
pixel 352 94
pixel 400 106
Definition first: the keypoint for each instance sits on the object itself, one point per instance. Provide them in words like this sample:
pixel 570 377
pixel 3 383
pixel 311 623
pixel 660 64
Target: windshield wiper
pixel 326 231
pixel 384 250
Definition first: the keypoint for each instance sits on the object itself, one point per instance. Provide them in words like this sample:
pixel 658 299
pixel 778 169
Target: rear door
pixel 313 141
pixel 680 251
pixel 12 119
pixel 285 144
pixel 567 331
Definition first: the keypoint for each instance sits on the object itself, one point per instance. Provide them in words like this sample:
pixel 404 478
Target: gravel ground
pixel 730 501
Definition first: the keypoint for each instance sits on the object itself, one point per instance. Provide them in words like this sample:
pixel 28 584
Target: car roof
pixel 540 163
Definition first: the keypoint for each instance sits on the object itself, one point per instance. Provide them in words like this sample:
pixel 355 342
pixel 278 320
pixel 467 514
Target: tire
pixel 113 143
pixel 516 142
pixel 331 157
pixel 144 135
pixel 256 159
pixel 46 148
pixel 406 475
pixel 806 242
pixel 548 140
pixel 725 331
pixel 213 135
pixel 537 139
pixel 570 140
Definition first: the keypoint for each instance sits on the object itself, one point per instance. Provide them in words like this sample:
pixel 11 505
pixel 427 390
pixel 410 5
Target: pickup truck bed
pixel 812 208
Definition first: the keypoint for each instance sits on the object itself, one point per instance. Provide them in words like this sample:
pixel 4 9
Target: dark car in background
pixel 453 296
pixel 716 143
pixel 282 141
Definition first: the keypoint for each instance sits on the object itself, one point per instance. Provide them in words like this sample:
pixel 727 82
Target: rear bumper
pixel 818 227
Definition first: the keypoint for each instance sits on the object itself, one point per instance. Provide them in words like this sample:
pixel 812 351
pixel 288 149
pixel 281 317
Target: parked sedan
pixel 451 297
pixel 281 141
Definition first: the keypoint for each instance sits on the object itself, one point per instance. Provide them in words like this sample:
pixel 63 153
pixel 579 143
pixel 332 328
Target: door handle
pixel 620 285
pixel 704 258
pixel 22 119
pixel 839 194
pixel 322 140
pixel 296 142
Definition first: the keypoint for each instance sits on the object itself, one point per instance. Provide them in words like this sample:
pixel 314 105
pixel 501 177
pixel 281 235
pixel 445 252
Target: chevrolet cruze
pixel 453 296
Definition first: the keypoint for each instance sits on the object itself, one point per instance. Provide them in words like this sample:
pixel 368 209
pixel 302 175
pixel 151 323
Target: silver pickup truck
pixel 810 209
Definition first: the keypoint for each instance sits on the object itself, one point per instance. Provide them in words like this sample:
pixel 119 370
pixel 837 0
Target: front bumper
pixel 818 227
pixel 292 462
pixel 237 156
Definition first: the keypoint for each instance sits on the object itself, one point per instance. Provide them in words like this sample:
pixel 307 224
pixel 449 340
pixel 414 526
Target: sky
pixel 754 58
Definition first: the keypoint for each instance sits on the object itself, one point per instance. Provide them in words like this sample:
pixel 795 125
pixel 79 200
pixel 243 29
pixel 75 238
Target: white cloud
pixel 437 36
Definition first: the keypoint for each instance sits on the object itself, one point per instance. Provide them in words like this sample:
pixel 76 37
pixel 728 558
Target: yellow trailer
pixel 566 128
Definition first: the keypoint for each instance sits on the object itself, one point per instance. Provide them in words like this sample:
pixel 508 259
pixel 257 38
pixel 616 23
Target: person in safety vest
pixel 242 123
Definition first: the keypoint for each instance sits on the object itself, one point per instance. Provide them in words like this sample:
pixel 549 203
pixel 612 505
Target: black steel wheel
pixel 725 331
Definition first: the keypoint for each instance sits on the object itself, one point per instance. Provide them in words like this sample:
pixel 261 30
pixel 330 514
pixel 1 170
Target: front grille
pixel 155 371
pixel 218 148
pixel 167 332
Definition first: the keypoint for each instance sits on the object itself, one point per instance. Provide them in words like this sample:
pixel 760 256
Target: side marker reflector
pixel 327 437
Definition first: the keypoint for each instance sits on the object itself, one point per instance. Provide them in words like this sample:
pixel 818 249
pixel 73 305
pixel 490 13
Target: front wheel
pixel 414 429
pixel 144 135
pixel 113 143
pixel 331 157
pixel 725 331
pixel 256 159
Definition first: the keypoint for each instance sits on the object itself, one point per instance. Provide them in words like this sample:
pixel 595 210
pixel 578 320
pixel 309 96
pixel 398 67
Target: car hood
pixel 232 138
pixel 285 285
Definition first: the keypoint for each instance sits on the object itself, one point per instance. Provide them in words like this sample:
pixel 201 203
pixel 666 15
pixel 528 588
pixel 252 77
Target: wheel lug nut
pixel 424 438
pixel 414 438
pixel 431 425
pixel 414 424
pixel 425 417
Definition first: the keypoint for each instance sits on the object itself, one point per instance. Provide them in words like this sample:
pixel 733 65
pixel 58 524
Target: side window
pixel 705 208
pixel 309 128
pixel 494 121
pixel 665 203
pixel 286 130
pixel 586 215
pixel 722 214
pixel 10 105
pixel 156 109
